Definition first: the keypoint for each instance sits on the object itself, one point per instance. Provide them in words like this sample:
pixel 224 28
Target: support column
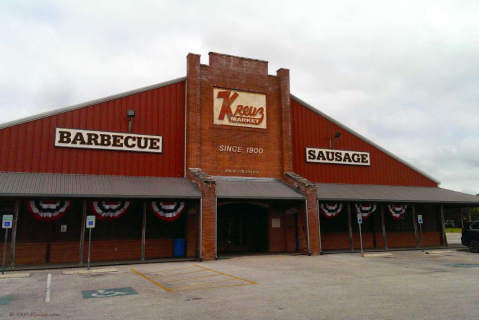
pixel 414 221
pixel 207 186
pixel 319 230
pixel 350 227
pixel 443 226
pixel 143 233
pixel 200 232
pixel 469 213
pixel 311 210
pixel 14 234
pixel 216 227
pixel 82 232
pixel 383 225
pixel 307 226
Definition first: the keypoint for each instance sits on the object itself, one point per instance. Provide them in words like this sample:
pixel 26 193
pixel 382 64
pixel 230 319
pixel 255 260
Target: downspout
pixel 319 227
pixel 307 226
pixel 201 230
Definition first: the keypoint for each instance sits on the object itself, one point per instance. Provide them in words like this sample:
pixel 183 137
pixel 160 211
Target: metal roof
pixel 354 133
pixel 255 188
pixel 377 193
pixel 18 184
pixel 89 103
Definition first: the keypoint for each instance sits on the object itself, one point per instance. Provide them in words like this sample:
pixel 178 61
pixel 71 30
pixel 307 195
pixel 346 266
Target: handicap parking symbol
pixel 108 293
pixel 5 300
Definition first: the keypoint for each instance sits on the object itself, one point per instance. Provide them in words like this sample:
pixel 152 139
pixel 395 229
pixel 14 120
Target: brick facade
pixel 204 139
pixel 248 75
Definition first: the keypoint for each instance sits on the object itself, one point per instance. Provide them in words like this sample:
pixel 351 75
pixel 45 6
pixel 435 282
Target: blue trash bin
pixel 179 247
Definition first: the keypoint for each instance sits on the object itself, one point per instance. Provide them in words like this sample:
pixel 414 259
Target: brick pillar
pixel 285 100
pixel 207 186
pixel 193 111
pixel 192 232
pixel 310 190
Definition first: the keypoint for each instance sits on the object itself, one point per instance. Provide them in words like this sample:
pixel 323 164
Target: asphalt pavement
pixel 406 285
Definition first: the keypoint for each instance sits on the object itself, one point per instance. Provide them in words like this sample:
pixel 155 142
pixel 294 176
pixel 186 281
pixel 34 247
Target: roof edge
pixel 89 103
pixel 354 133
pixel 90 175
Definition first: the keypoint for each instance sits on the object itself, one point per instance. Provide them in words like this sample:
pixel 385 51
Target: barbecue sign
pixel 337 157
pixel 88 139
pixel 239 108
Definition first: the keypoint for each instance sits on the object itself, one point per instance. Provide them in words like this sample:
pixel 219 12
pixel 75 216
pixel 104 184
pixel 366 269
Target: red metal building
pixel 223 161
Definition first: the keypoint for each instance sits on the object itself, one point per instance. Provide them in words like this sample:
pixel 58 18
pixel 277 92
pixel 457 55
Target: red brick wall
pixel 431 239
pixel 113 250
pixel 246 75
pixel 282 239
pixel 401 239
pixel 290 226
pixel 276 235
pixel 158 248
pixel 65 252
pixel 192 235
pixel 335 241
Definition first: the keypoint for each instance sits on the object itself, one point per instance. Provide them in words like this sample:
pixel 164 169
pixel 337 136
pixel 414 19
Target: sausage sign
pixel 337 157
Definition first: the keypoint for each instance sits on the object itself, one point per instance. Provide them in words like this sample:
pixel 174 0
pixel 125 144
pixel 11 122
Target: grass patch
pixel 453 230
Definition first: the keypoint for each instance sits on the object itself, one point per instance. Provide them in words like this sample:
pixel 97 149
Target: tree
pixel 475 214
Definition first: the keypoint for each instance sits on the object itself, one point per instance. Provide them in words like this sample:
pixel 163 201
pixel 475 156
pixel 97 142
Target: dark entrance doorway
pixel 242 227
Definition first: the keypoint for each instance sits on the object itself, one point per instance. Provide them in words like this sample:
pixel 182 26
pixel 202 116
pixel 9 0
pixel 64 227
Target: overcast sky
pixel 405 74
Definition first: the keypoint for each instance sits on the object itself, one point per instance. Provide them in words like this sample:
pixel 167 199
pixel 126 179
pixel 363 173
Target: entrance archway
pixel 242 227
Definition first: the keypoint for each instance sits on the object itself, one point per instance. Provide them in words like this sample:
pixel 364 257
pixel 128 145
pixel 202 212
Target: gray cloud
pixel 404 74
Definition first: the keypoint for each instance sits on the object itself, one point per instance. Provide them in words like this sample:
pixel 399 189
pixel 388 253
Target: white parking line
pixel 49 284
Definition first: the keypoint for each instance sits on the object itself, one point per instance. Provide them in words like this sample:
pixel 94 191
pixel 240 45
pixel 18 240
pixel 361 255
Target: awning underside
pixel 16 184
pixel 255 188
pixel 392 194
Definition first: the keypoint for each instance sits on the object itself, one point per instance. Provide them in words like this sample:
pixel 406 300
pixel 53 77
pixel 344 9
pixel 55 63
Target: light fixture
pixel 336 136
pixel 130 114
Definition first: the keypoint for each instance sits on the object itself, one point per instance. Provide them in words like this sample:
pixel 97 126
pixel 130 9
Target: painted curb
pixel 94 271
pixel 14 275
pixel 372 255
pixel 439 252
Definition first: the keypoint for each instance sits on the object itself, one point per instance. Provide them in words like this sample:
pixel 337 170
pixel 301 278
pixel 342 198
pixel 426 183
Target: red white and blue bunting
pixel 109 210
pixel 47 210
pixel 397 210
pixel 331 210
pixel 366 210
pixel 168 210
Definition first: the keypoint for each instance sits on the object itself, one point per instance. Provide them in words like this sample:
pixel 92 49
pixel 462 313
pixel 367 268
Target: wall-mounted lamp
pixel 130 114
pixel 336 136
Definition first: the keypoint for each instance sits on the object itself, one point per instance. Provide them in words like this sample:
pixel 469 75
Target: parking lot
pixel 406 285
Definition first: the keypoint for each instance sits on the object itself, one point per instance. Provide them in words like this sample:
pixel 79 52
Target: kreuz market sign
pixel 239 108
pixel 337 157
pixel 87 139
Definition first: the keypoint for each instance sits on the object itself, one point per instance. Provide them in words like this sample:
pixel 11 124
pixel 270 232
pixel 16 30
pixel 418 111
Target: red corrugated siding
pixel 29 147
pixel 312 130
